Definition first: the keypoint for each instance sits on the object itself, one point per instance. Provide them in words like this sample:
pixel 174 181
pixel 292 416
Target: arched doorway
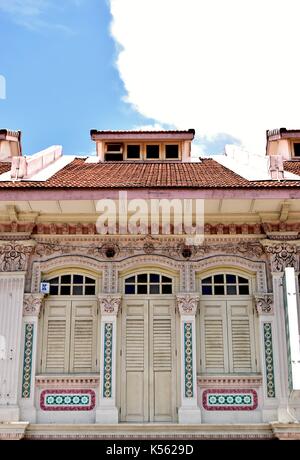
pixel 148 348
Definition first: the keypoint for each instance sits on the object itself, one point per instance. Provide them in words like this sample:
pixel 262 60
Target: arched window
pixel 148 283
pixel 227 326
pixel 73 284
pixel 69 325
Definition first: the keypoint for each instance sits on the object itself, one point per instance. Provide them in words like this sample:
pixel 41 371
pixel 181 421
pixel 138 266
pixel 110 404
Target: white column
pixel 11 309
pixel 282 254
pixel 189 411
pixel 107 411
pixel 31 311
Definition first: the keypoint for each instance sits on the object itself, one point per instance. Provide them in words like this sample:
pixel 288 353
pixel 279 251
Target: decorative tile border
pixel 229 399
pixel 269 361
pixel 27 360
pixel 107 365
pixel 188 360
pixel 65 400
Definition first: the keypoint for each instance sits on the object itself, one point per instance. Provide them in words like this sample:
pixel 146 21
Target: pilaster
pixel 31 311
pixel 281 255
pixel 107 411
pixel 14 257
pixel 189 412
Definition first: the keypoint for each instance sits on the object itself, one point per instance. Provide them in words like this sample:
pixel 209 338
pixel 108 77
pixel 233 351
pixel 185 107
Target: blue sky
pixel 75 65
pixel 61 78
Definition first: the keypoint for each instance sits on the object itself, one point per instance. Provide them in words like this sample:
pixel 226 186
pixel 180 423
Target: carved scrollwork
pixel 14 256
pixel 187 303
pixel 32 304
pixel 264 304
pixel 282 255
pixel 109 304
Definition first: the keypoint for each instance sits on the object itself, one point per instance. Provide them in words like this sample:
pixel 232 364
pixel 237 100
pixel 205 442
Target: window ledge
pixel 245 381
pixel 70 380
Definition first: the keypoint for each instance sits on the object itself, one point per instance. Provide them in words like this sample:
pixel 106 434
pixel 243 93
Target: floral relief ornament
pixel 283 255
pixel 32 304
pixel 110 304
pixel 264 304
pixel 187 303
pixel 14 257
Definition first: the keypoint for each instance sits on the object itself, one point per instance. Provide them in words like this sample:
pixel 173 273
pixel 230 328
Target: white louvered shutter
pixel 213 336
pixel 135 361
pixel 161 346
pixel 83 336
pixel 56 334
pixel 241 336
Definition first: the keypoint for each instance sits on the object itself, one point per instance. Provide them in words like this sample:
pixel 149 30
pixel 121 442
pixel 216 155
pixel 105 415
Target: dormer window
pixel 297 149
pixel 114 152
pixel 152 152
pixel 133 152
pixel 172 152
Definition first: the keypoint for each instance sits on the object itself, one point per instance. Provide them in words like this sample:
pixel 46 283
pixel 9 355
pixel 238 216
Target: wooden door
pixel 148 379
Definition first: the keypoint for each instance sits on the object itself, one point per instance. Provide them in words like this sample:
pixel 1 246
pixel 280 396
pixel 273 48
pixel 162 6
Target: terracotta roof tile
pixel 4 167
pixel 205 174
pixel 292 167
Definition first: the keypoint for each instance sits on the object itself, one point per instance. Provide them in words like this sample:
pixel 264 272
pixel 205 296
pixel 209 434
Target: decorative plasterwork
pixel 257 268
pixel 66 261
pixel 209 229
pixel 282 255
pixel 67 382
pixel 27 360
pixel 264 304
pixel 32 304
pixel 109 304
pixel 229 381
pixel 67 400
pixel 229 400
pixel 130 245
pixel 187 303
pixel 14 255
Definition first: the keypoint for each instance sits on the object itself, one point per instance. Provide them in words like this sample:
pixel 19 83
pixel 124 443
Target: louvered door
pixel 213 336
pixel 240 335
pixel 83 336
pixel 148 380
pixel 135 361
pixel 56 337
pixel 162 349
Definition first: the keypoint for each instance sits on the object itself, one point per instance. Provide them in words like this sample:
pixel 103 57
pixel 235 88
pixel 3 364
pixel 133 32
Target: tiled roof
pixel 4 167
pixel 205 174
pixel 292 166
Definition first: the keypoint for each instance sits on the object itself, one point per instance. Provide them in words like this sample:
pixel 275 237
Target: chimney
pixel 10 144
pixel 276 167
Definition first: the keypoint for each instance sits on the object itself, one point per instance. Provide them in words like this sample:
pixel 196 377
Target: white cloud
pixel 220 66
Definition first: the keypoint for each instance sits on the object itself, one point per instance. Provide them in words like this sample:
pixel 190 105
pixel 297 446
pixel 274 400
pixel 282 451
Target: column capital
pixel 109 304
pixel 14 255
pixel 32 304
pixel 264 303
pixel 187 303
